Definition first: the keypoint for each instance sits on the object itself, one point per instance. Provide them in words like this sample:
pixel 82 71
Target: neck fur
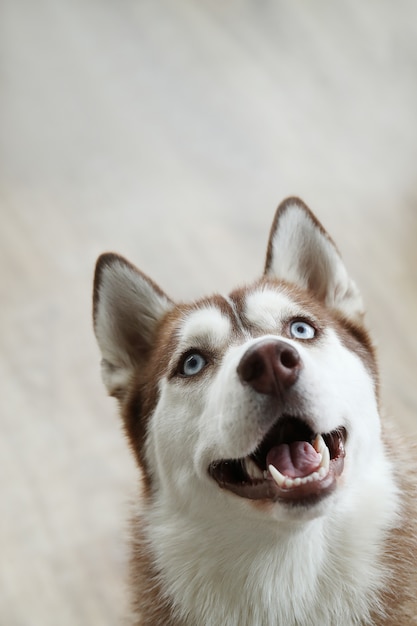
pixel 323 571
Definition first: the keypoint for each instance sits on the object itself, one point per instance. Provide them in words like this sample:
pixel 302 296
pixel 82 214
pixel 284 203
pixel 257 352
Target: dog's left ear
pixel 301 252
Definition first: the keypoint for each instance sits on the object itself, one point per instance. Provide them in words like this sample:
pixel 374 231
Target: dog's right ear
pixel 301 252
pixel 127 309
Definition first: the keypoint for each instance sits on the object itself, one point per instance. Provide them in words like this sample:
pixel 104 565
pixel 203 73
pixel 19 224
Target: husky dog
pixel 272 495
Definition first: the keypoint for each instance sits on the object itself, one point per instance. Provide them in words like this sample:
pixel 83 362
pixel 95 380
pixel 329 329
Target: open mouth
pixel 292 463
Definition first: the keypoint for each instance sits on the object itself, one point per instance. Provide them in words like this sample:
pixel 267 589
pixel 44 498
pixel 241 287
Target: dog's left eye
pixel 193 364
pixel 302 330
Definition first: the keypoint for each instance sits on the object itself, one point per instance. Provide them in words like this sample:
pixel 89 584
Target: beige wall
pixel 169 131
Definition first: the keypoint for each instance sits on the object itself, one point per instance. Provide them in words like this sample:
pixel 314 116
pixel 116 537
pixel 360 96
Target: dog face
pixel 263 401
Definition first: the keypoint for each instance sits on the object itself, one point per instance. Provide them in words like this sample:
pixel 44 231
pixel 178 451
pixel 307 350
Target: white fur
pixel 205 326
pixel 230 569
pixel 266 309
pixel 218 552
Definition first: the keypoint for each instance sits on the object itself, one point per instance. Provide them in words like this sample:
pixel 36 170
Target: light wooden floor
pixel 168 131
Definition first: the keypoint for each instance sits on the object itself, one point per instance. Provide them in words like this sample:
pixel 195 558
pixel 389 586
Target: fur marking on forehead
pixel 266 307
pixel 206 324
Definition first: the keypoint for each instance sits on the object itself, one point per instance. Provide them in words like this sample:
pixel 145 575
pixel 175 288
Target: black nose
pixel 270 366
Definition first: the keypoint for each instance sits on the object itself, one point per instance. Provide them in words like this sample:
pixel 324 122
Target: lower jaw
pixel 303 495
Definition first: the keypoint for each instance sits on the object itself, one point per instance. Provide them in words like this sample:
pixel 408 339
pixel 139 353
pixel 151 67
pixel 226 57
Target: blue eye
pixel 193 364
pixel 302 330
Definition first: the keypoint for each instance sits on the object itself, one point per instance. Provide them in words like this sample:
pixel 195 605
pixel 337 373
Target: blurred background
pixel 169 130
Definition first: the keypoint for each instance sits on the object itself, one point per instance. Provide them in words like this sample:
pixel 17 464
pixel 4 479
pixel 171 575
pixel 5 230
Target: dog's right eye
pixel 192 364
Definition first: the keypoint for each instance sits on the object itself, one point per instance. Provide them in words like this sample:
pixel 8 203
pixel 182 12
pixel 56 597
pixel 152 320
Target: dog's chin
pixel 309 465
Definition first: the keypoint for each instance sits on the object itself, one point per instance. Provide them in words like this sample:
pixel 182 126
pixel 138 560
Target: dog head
pixel 264 399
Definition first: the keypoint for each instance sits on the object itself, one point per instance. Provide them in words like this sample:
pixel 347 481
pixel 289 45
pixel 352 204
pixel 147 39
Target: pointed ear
pixel 301 252
pixel 127 308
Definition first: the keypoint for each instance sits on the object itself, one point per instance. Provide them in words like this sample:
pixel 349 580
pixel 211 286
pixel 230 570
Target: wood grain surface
pixel 168 131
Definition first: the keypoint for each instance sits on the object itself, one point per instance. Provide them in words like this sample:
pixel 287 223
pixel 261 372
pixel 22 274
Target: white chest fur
pixel 237 572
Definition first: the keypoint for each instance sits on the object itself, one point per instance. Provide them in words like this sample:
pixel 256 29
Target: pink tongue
pixel 294 460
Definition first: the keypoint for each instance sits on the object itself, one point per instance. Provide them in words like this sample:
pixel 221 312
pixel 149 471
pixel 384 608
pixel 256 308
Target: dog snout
pixel 270 367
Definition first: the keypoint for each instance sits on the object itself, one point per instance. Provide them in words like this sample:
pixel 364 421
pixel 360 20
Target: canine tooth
pixel 277 476
pixel 325 461
pixel 319 444
pixel 252 469
pixel 321 448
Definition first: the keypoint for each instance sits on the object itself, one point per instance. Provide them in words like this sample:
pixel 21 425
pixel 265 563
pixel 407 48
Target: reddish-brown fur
pixel 400 595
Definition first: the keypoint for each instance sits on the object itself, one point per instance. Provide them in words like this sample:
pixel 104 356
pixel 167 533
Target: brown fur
pixel 400 595
pixel 149 607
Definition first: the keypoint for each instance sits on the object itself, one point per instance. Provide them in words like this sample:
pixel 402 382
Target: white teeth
pixel 319 444
pixel 253 470
pixel 322 472
pixel 321 448
pixel 278 477
pixel 325 459
pixel 285 482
